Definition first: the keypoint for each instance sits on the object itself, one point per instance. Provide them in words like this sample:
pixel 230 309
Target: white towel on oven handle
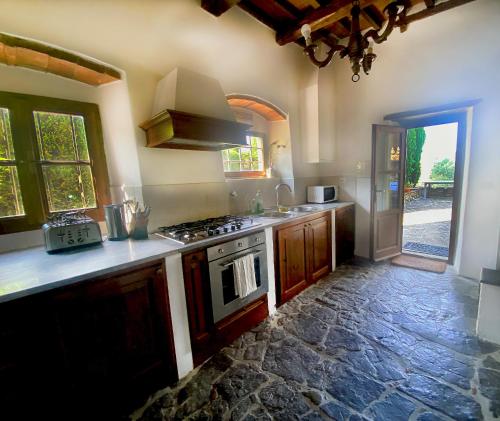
pixel 244 275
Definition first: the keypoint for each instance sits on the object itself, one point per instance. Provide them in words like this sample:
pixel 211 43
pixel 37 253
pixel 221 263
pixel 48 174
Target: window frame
pixel 251 173
pixel 29 164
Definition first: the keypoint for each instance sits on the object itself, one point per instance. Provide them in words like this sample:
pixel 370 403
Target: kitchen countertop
pixel 26 272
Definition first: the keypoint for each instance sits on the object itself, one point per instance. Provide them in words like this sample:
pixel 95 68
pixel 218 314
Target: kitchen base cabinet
pixel 292 244
pixel 302 254
pixel 94 350
pixel 199 304
pixel 344 234
pixel 208 337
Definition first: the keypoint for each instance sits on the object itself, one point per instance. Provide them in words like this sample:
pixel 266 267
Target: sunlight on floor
pixel 427 217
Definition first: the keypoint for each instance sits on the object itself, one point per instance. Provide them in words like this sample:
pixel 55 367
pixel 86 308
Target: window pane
pixel 256 166
pixel 225 155
pixel 11 203
pixel 6 146
pixel 234 166
pixel 69 187
pixel 81 138
pixel 234 154
pixel 255 154
pixel 61 137
pixel 246 165
pixel 245 154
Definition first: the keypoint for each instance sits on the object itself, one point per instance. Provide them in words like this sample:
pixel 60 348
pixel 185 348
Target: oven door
pixel 222 282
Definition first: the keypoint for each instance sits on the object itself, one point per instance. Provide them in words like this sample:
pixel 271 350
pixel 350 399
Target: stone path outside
pixel 427 221
pixel 369 342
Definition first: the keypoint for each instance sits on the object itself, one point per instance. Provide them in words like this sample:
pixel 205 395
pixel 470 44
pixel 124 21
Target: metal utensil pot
pixel 115 222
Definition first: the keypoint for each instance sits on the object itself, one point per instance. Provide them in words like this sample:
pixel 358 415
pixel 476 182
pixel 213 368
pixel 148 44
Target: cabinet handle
pixel 284 258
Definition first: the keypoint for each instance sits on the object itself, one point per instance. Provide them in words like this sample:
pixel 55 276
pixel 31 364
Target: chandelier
pixel 359 49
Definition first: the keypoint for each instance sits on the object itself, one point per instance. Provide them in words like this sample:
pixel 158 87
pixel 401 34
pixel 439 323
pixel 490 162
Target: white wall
pixel 148 39
pixel 450 57
pixel 118 133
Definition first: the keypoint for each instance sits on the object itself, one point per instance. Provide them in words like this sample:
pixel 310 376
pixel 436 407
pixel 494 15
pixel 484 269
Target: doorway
pixel 428 190
pixel 395 196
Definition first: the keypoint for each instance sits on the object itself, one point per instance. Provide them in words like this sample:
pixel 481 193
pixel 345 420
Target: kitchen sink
pixel 303 208
pixel 276 214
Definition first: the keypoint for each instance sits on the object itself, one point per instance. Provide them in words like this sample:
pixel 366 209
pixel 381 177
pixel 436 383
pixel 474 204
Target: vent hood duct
pixel 191 112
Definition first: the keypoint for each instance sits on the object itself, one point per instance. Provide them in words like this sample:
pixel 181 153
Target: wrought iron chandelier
pixel 359 49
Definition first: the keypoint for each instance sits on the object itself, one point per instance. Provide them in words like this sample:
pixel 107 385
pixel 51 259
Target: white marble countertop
pixel 29 271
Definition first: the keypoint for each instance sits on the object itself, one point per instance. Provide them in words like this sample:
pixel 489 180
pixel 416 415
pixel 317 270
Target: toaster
pixel 70 230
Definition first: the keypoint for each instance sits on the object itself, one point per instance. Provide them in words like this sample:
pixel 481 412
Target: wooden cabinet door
pixel 116 336
pixel 292 260
pixel 344 234
pixel 319 251
pixel 198 301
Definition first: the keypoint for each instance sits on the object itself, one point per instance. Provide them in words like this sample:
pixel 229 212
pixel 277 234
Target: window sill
pixel 245 175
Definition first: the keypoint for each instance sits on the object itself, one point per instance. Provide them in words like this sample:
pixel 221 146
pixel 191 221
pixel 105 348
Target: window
pixel 245 161
pixel 51 160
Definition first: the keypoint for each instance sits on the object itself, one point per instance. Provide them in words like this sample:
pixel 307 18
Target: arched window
pixel 251 160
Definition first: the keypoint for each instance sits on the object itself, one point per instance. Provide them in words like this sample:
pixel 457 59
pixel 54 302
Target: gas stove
pixel 191 232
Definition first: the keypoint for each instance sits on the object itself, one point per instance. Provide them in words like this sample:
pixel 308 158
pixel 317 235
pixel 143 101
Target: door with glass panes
pixel 388 162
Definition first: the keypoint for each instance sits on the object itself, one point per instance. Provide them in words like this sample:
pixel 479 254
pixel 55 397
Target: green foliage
pixel 443 170
pixel 414 144
pixel 60 137
pixel 250 158
pixel 10 195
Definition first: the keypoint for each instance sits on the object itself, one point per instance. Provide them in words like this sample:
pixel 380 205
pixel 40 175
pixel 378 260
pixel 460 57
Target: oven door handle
pixel 226 264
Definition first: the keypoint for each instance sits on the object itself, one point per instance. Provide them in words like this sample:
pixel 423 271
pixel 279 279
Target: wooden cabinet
pixel 292 244
pixel 303 254
pixel 199 303
pixel 116 333
pixel 208 337
pixel 101 346
pixel 344 234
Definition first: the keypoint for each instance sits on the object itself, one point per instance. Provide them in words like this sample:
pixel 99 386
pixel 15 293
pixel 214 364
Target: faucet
pixel 277 188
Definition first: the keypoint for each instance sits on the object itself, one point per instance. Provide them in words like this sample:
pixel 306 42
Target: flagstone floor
pixel 369 342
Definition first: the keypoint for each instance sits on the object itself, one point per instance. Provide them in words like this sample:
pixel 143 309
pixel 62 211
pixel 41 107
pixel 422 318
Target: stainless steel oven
pixel 221 259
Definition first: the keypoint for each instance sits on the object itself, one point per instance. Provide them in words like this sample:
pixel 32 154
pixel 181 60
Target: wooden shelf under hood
pixel 180 130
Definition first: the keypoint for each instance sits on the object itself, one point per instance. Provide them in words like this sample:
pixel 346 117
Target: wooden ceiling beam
pixel 258 14
pixel 218 7
pixel 319 19
pixel 289 7
pixel 438 8
pixel 371 18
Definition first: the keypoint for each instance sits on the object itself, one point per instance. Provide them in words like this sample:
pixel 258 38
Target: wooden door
pixel 344 234
pixel 199 304
pixel 388 165
pixel 292 260
pixel 319 251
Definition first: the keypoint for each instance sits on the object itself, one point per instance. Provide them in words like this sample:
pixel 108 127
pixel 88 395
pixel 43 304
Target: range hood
pixel 191 112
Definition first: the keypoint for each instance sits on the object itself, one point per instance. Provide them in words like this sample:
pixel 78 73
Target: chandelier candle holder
pixel 359 48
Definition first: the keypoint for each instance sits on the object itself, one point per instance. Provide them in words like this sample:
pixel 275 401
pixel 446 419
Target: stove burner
pixel 190 232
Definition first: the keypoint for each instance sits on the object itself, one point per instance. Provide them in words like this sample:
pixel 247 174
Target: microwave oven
pixel 322 194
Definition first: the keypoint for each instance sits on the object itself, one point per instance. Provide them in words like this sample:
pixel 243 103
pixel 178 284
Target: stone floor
pixel 369 342
pixel 427 221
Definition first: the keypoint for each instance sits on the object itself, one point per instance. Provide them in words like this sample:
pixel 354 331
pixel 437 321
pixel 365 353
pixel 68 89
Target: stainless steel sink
pixel 276 214
pixel 303 208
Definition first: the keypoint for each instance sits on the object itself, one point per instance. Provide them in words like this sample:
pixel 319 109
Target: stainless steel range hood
pixel 191 112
